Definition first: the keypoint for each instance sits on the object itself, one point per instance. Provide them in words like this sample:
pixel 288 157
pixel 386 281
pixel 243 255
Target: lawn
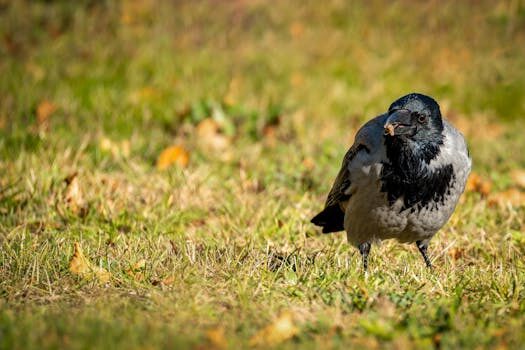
pixel 160 163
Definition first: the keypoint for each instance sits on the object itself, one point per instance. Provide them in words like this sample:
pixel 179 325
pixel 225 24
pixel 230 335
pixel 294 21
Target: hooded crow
pixel 402 178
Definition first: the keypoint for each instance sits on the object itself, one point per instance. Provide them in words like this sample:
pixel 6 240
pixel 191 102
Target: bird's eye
pixel 421 118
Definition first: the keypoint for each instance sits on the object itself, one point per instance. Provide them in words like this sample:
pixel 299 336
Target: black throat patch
pixel 407 174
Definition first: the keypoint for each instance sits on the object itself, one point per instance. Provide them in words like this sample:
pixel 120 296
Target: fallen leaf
pixel 216 338
pixel 512 197
pixel 79 265
pixel 136 271
pixel 456 253
pixel 209 134
pixel 232 94
pixel 518 176
pixel 73 196
pixel 270 132
pixel 43 112
pixel 476 183
pixel 308 163
pixel 139 265
pixel 168 281
pixel 173 155
pixel 296 30
pixel 280 330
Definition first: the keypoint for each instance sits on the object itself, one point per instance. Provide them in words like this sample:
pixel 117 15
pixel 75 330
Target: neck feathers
pixel 407 173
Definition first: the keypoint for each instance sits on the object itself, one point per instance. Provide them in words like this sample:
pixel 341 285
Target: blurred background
pixel 125 67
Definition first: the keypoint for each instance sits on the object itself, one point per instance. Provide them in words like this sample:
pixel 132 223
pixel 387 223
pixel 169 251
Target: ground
pixel 210 245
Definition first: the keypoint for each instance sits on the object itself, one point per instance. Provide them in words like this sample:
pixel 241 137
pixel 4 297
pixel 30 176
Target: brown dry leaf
pixel 518 176
pixel 476 183
pixel 73 196
pixel 309 163
pixel 270 134
pixel 281 329
pixel 296 30
pixel 136 271
pixel 43 112
pixel 79 265
pixel 209 135
pixel 168 281
pixel 173 155
pixel 512 197
pixel 216 338
pixel 456 253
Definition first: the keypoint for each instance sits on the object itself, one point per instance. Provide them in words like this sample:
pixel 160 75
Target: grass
pixel 225 244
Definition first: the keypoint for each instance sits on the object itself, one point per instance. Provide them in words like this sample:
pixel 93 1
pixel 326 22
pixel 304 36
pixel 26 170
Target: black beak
pixel 398 123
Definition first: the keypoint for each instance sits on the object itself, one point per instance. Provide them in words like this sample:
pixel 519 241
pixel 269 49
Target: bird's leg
pixel 364 249
pixel 422 246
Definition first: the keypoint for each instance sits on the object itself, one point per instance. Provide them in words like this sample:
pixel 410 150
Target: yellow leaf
pixel 518 176
pixel 207 127
pixel 168 281
pixel 73 195
pixel 139 265
pixel 43 112
pixel 101 274
pixel 216 338
pixel 209 134
pixel 232 95
pixel 173 155
pixel 512 197
pixel 296 30
pixel 280 330
pixel 79 265
pixel 476 183
pixel 309 163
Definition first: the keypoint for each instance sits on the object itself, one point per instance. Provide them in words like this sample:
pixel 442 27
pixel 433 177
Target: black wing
pixel 332 218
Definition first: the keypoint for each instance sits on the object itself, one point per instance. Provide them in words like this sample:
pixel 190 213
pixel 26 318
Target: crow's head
pixel 414 117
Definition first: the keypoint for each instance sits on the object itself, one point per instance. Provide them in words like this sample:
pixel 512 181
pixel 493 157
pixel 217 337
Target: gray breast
pixel 371 214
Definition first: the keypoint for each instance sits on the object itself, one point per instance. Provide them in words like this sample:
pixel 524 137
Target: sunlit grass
pixel 226 242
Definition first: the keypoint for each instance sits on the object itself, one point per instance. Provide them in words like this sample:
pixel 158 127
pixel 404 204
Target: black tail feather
pixel 331 219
